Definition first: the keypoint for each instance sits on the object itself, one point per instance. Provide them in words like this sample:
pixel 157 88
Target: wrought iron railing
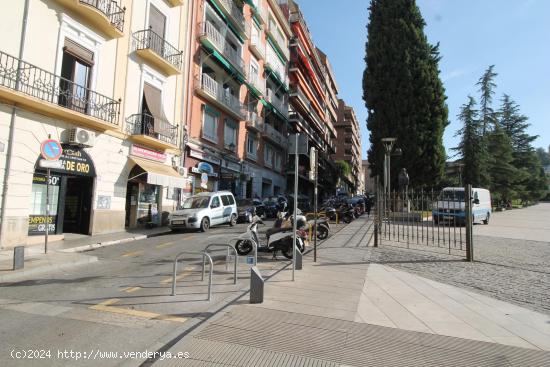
pixel 275 135
pixel 273 31
pixel 254 120
pixel 275 64
pixel 148 39
pixel 234 11
pixel 111 10
pixel 255 39
pixel 218 40
pixel 213 88
pixel 279 104
pixel 145 124
pixel 36 82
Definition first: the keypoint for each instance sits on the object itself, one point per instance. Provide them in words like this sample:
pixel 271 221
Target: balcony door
pixel 76 69
pixel 157 24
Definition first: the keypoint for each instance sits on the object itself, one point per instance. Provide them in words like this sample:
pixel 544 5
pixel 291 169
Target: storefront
pixel 149 182
pixel 230 177
pixel 71 188
pixel 204 168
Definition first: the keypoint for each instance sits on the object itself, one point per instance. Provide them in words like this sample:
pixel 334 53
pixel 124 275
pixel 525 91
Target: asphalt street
pixel 121 303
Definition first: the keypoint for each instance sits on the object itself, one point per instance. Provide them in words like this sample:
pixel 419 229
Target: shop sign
pixel 142 152
pixel 203 156
pixel 37 224
pixel 232 166
pixel 40 179
pixel 204 167
pixel 74 161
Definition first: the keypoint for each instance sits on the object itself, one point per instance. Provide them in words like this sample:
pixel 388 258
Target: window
pixel 215 202
pixel 210 124
pixel 225 200
pixel 231 199
pixel 251 145
pixel 76 69
pixel 254 72
pixel 278 159
pixel 268 156
pixel 157 21
pixel 230 135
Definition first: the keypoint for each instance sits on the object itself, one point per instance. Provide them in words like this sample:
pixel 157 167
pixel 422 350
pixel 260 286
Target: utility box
pixel 256 286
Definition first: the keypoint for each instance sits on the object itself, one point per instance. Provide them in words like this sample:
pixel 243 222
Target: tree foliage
pixel 486 90
pixel 403 93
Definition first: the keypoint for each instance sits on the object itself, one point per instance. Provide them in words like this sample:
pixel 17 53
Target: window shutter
pixel 153 100
pixel 157 21
pixel 78 51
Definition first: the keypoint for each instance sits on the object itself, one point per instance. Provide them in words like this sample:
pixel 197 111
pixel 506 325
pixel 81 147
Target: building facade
pixel 348 146
pixel 106 80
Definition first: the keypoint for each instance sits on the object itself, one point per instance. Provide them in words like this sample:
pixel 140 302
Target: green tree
pixel 403 93
pixel 502 172
pixel 486 89
pixel 471 148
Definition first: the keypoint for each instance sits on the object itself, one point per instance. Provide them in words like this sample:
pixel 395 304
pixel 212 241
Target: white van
pixel 204 210
pixel 451 205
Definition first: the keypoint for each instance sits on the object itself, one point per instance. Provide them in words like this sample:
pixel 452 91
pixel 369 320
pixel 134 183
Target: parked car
pixel 204 210
pixel 272 205
pixel 248 208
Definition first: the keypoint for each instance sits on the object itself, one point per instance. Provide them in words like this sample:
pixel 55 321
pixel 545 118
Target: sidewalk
pixel 345 311
pixel 65 253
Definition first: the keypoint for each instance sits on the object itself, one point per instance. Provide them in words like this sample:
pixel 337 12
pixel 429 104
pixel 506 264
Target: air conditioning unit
pixel 182 171
pixel 82 137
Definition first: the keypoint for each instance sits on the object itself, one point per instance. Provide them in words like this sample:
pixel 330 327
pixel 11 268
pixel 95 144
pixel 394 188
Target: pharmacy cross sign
pixel 51 149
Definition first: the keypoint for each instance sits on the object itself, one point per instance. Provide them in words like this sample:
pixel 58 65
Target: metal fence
pixel 424 219
pixel 111 9
pixel 154 127
pixel 148 39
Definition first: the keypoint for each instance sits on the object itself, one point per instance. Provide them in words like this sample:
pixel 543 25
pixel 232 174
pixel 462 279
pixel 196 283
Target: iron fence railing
pixel 254 120
pixel 215 89
pixel 274 63
pixel 111 9
pixel 36 82
pixel 218 40
pixel 145 124
pixel 148 39
pixel 234 11
pixel 279 104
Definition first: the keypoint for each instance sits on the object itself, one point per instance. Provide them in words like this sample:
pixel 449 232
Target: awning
pixel 159 174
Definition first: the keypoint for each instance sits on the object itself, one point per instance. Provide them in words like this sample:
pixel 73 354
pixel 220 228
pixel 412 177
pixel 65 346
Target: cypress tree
pixel 503 174
pixel 403 93
pixel 486 89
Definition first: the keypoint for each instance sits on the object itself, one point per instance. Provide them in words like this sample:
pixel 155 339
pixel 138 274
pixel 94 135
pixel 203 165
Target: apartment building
pixel 105 78
pixel 312 85
pixel 348 146
pixel 239 102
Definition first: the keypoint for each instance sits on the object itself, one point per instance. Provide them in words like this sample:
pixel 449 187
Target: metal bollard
pixel 298 259
pixel 204 254
pixel 256 286
pixel 236 259
pixel 18 257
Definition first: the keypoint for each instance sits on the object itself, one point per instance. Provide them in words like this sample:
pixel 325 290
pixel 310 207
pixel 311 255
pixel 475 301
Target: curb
pixel 94 246
pixel 42 269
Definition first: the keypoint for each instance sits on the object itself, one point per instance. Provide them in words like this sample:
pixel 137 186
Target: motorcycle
pixel 277 239
pixel 285 220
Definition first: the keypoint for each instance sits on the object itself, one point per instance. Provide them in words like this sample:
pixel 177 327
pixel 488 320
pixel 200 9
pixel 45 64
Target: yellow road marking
pixel 190 237
pixel 131 289
pixel 185 273
pixel 106 307
pixel 132 253
pixel 167 244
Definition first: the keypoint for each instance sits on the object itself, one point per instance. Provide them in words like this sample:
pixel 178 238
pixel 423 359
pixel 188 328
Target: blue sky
pixel 514 35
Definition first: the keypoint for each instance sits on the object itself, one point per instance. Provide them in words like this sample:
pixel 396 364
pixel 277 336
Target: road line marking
pixel 105 307
pixel 186 272
pixel 132 253
pixel 163 245
pixel 190 237
pixel 131 289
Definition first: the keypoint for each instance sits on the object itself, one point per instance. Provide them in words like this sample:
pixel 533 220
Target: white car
pixel 204 210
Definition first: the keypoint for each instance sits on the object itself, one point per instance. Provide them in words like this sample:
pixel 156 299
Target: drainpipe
pixel 12 128
pixel 187 92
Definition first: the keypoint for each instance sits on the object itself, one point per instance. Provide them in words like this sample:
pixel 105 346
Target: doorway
pixel 78 205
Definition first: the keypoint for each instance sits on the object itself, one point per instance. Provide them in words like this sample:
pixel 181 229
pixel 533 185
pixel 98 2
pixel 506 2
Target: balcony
pixel 255 122
pixel 276 102
pixel 275 136
pixel 153 48
pixel 175 2
pixel 258 83
pixel 39 90
pixel 212 37
pixel 153 132
pixel 255 43
pixel 234 13
pixel 213 91
pixel 275 35
pixel 275 65
pixel 105 15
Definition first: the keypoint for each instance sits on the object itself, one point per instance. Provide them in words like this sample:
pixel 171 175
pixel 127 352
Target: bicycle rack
pixel 204 255
pixel 235 262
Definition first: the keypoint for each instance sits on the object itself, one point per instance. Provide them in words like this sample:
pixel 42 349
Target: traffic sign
pixel 51 149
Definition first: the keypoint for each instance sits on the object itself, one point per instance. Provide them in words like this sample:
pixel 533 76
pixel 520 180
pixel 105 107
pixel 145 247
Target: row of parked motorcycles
pixel 279 237
pixel 345 209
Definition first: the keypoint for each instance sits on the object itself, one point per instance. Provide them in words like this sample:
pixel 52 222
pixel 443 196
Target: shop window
pixel 210 125
pixel 76 67
pixel 37 212
pixel 251 145
pixel 230 135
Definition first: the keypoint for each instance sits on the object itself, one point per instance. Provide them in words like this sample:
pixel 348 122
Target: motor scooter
pixel 277 239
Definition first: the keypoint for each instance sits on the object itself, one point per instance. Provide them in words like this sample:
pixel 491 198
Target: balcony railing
pixel 255 41
pixel 207 29
pixel 255 121
pixel 233 10
pixel 257 82
pixel 218 93
pixel 273 31
pixel 148 39
pixel 30 80
pixel 279 104
pixel 111 10
pixel 147 125
pixel 274 63
pixel 274 135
